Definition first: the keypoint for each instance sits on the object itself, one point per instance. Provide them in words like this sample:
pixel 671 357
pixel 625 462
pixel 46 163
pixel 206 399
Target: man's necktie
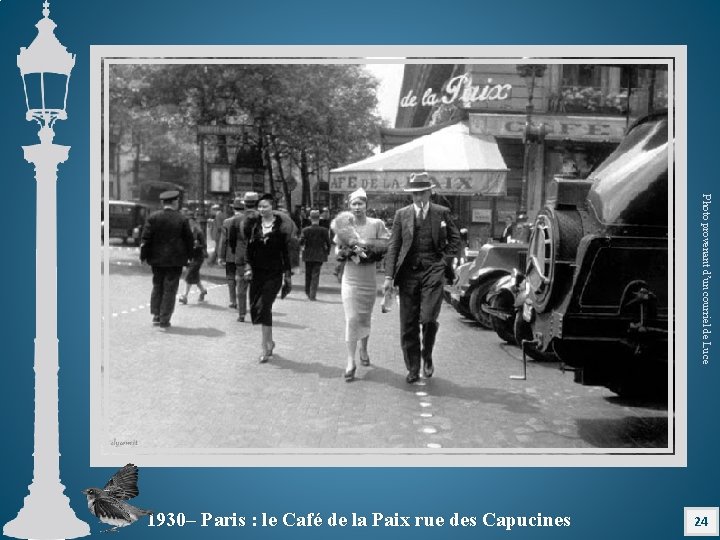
pixel 421 215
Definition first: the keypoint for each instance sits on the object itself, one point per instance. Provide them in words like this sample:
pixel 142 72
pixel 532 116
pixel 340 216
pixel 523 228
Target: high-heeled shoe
pixel 365 360
pixel 350 374
pixel 201 298
pixel 267 353
pixel 182 299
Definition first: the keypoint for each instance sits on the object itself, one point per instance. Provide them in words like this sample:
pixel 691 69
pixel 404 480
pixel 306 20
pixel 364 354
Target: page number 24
pixel 702 521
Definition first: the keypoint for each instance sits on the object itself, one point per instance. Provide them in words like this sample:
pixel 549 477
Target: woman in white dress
pixel 363 242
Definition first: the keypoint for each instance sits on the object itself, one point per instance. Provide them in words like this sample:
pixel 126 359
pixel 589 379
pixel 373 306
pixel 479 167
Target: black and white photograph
pixel 390 260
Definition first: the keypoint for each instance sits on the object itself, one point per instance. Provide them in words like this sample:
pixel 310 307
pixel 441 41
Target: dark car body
pixel 596 290
pixel 125 220
pixel 474 279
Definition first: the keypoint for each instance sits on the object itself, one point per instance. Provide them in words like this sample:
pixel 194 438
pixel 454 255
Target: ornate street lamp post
pixel 529 72
pixel 45 68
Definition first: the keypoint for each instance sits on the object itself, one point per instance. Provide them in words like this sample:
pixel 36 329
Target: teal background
pixel 615 502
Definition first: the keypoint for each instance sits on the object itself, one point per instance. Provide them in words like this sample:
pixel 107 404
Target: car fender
pixel 504 283
pixel 486 278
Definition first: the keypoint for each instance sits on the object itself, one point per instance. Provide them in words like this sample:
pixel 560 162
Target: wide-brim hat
pixel 419 182
pixel 168 196
pixel 251 196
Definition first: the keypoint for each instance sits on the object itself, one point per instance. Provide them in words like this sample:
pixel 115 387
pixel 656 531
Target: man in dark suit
pixel 237 249
pixel 166 245
pixel 220 215
pixel 509 230
pixel 316 242
pixel 423 241
pixel 226 255
pixel 325 217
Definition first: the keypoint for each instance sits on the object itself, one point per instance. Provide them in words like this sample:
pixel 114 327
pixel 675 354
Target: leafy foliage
pixel 313 116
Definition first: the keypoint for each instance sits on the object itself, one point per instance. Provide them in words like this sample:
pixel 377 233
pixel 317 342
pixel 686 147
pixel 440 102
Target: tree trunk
pixel 278 160
pixel 318 170
pixel 136 168
pixel 304 178
pixel 268 162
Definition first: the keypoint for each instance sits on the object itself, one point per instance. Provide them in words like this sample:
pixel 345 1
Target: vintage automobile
pixel 474 279
pixel 125 220
pixel 595 288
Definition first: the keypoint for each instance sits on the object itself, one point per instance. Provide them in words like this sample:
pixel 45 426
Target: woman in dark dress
pixel 197 257
pixel 267 268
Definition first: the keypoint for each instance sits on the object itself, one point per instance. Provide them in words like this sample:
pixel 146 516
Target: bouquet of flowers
pixel 351 246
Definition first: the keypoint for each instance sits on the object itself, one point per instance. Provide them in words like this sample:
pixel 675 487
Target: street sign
pixel 221 130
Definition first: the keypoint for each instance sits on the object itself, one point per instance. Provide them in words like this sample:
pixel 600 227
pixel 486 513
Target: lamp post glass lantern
pixel 45 68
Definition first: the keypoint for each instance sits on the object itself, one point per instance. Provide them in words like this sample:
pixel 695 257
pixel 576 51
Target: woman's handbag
pixel 286 287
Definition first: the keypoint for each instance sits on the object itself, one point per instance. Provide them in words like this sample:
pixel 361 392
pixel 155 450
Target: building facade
pixel 546 120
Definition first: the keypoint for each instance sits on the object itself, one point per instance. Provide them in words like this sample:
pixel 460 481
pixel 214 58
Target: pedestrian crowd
pixel 259 245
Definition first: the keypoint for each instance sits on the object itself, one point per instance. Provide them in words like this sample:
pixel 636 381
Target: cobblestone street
pixel 198 384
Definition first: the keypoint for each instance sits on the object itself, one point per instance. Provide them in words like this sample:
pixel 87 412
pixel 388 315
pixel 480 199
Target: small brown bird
pixel 107 503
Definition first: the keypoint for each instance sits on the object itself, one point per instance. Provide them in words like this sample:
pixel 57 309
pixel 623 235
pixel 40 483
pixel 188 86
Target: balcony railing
pixel 594 100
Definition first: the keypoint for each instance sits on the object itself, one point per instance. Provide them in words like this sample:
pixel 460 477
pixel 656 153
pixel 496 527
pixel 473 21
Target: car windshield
pixel 123 210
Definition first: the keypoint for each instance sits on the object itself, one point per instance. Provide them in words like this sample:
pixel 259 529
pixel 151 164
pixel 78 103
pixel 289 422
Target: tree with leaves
pixel 311 117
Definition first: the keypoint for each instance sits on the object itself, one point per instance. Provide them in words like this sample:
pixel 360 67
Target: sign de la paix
pixel 489 183
pixel 459 88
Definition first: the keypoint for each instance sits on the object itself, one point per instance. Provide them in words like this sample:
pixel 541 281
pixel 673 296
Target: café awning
pixel 458 162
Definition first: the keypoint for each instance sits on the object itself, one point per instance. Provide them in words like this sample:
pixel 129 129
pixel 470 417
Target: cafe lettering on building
pixel 581 128
pixel 458 162
pixel 490 183
pixel 461 89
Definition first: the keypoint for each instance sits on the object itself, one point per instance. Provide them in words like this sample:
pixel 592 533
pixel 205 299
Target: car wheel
pixel 461 306
pixel 504 328
pixel 554 241
pixel 477 298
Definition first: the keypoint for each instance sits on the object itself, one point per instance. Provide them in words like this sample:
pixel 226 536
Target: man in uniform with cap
pixel 423 241
pixel 316 243
pixel 166 245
